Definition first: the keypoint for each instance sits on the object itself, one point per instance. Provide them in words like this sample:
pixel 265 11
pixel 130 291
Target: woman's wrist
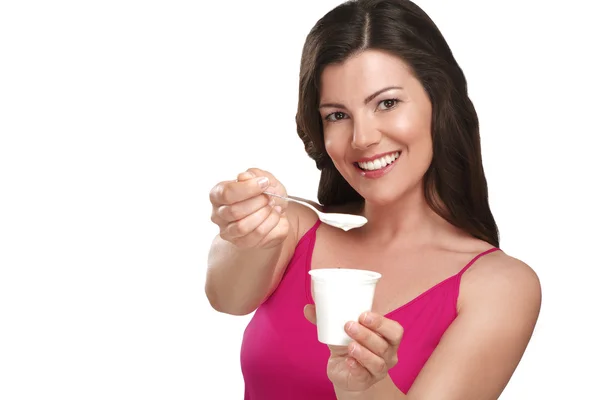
pixel 382 390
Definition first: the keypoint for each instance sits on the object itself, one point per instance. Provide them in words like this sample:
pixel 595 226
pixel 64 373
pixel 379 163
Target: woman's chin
pixel 381 198
pixel 386 196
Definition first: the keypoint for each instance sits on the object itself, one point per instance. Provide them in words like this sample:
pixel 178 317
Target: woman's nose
pixel 364 135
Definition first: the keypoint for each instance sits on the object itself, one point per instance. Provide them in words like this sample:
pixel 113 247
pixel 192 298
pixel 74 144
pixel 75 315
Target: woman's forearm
pixel 383 390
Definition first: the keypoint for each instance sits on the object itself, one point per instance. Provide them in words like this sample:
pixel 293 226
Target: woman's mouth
pixel 377 167
pixel 378 163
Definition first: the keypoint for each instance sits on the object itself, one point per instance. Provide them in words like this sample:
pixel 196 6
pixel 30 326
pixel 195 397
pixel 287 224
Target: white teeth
pixel 380 162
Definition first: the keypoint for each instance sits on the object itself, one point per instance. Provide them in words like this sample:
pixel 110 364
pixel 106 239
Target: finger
pixel 371 362
pixel 244 176
pixel 367 338
pixel 310 313
pixel 259 172
pixel 279 233
pixel 263 232
pixel 242 209
pixel 390 330
pixel 274 185
pixel 214 217
pixel 234 192
pixel 357 371
pixel 261 236
pixel 249 224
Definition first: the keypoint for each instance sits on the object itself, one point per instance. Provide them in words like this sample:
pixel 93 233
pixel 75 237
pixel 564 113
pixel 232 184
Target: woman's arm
pixel 498 308
pixel 499 305
pixel 256 242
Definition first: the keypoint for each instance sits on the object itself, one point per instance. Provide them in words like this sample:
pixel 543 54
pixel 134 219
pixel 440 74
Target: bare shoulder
pixel 499 303
pixel 500 270
pixel 301 218
pixel 304 218
pixel 504 281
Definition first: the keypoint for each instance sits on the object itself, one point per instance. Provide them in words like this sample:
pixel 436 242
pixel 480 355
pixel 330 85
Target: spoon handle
pixel 294 200
pixel 277 195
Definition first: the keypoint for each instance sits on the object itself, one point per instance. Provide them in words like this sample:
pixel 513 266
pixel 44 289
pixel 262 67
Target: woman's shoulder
pixel 501 278
pixel 304 218
pixel 498 264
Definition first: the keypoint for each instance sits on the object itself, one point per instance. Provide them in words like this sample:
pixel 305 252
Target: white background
pixel 117 117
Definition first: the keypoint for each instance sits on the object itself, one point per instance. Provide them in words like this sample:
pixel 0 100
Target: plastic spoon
pixel 338 220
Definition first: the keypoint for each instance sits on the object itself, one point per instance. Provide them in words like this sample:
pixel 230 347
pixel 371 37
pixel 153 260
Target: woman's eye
pixel 336 116
pixel 387 104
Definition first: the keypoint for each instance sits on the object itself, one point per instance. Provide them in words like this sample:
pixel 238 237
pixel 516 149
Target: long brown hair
pixel 455 186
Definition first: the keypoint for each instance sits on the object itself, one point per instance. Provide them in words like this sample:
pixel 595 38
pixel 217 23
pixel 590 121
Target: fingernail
pixel 277 209
pixel 272 202
pixel 352 328
pixel 368 319
pixel 263 182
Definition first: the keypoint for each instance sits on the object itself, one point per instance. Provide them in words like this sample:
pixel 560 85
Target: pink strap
pixel 313 228
pixel 477 258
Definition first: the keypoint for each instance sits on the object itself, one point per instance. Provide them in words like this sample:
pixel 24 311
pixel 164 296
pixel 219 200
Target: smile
pixel 378 163
pixel 378 166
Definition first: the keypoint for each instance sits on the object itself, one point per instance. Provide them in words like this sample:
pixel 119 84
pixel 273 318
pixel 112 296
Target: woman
pixel 384 111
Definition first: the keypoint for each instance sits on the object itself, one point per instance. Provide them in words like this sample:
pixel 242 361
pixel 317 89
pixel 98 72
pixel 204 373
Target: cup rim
pixel 357 275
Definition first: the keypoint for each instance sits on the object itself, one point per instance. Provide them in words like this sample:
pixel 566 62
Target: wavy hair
pixel 455 186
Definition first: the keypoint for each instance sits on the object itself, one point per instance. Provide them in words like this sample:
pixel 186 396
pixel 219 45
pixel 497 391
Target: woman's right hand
pixel 246 217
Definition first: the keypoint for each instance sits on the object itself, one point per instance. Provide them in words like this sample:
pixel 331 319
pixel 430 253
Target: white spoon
pixel 338 220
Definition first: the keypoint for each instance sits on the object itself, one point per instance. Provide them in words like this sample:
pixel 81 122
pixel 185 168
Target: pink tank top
pixel 281 357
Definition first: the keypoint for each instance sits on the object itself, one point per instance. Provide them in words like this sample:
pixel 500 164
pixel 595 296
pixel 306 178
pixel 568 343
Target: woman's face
pixel 377 125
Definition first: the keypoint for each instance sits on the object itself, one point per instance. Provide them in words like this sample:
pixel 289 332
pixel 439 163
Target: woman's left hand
pixel 367 359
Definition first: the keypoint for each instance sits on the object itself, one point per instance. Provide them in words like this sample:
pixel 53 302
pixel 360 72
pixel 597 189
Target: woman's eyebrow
pixel 367 99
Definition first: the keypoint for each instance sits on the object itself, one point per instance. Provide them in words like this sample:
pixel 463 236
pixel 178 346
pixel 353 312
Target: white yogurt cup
pixel 341 295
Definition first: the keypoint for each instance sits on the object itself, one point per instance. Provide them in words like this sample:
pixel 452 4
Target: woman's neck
pixel 409 219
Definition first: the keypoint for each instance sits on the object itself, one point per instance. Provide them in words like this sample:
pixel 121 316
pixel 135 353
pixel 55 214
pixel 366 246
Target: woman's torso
pixel 281 356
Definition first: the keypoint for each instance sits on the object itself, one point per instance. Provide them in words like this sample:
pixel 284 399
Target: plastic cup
pixel 341 295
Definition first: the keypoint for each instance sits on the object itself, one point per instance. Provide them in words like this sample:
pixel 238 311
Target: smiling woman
pixel 389 121
pixel 384 112
pixel 397 69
